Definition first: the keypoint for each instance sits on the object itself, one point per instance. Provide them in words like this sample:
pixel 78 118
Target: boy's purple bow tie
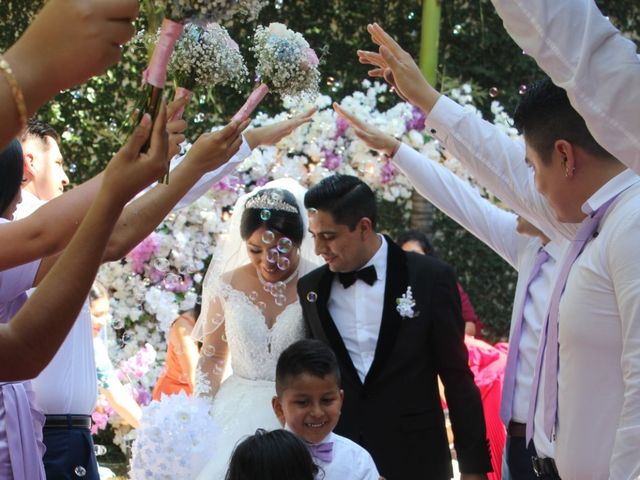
pixel 322 451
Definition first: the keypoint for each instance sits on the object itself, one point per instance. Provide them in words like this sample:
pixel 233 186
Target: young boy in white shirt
pixel 308 401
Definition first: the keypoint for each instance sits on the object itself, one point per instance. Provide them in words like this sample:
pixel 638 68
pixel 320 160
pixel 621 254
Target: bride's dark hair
pixel 283 214
pixel 275 455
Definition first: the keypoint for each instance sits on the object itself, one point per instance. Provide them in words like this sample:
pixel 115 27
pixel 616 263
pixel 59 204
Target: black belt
pixel 545 468
pixel 68 421
pixel 517 430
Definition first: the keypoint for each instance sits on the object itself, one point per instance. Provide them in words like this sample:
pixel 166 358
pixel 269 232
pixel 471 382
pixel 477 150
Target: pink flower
pixel 231 43
pixel 341 127
pixel 143 252
pixel 388 172
pixel 312 58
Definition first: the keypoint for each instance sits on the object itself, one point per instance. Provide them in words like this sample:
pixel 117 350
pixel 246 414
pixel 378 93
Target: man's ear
pixel 278 410
pixel 567 153
pixel 365 225
pixel 29 171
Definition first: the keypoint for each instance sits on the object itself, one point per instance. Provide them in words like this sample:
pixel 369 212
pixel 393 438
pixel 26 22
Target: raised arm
pixel 455 197
pixel 48 58
pixel 24 350
pixel 585 54
pixel 493 159
pixel 252 138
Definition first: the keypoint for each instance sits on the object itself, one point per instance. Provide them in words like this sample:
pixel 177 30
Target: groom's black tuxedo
pixel 396 413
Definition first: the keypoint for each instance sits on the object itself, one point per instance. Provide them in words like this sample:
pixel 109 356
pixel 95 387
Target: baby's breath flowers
pixel 286 62
pixel 206 57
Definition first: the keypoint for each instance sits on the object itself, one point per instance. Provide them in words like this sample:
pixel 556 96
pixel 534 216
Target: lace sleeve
pixel 214 351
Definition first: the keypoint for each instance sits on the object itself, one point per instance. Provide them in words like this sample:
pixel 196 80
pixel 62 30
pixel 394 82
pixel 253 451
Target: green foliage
pixel 473 47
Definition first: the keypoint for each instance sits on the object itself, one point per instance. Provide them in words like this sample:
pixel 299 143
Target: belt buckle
pixel 537 468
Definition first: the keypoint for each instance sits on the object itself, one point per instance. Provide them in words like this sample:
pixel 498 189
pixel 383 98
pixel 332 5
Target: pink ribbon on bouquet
pixel 252 102
pixel 156 72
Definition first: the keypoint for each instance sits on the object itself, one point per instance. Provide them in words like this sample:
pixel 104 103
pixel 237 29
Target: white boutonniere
pixel 406 304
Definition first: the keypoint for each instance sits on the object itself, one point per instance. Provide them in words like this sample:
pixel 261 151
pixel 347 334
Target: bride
pixel 251 312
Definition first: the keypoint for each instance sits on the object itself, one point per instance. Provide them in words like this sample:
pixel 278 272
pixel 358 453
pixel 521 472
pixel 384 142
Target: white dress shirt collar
pixel 613 187
pixel 379 259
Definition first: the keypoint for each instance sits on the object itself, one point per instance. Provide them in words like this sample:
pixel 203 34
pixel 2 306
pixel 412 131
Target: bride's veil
pixel 231 253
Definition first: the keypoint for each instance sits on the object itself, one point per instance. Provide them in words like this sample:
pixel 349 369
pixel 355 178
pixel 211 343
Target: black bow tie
pixel 367 275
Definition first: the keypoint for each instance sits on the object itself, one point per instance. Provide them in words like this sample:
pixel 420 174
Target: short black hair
pixel 287 223
pixel 275 455
pixel 39 129
pixel 11 173
pixel 545 115
pixel 421 238
pixel 346 197
pixel 305 356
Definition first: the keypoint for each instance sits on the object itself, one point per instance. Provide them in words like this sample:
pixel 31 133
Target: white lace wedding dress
pixel 243 402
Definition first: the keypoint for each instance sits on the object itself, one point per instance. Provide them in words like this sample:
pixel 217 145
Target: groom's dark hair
pixel 347 198
pixel 305 356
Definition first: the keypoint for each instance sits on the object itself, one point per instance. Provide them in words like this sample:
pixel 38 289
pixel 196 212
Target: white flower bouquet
pixel 175 440
pixel 206 57
pixel 287 65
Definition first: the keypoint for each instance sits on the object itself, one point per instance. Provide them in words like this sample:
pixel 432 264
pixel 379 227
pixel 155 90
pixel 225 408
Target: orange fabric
pixel 172 380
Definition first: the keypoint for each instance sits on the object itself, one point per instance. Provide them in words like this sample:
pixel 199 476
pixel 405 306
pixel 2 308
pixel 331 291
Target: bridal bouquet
pixel 174 14
pixel 176 439
pixel 205 57
pixel 287 65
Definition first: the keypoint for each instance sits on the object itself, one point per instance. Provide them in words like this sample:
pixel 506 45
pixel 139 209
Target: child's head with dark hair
pixel 308 395
pixel 416 241
pixel 11 171
pixel 275 455
pixel 342 221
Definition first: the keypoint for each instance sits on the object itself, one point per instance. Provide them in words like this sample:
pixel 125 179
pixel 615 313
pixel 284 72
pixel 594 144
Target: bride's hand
pixel 272 134
pixel 374 138
pixel 213 149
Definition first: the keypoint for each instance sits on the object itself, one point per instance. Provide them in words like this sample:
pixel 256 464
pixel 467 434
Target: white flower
pixel 405 304
pixel 279 29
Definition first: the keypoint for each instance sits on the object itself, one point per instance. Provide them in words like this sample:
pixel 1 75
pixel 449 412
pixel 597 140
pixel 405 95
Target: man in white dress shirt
pixel 598 429
pixel 393 319
pixel 517 242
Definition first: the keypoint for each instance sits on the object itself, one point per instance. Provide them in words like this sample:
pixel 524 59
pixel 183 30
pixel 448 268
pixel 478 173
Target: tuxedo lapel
pixel 328 327
pixel 396 285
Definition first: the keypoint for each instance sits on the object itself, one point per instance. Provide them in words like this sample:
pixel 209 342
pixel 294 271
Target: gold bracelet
pixel 18 97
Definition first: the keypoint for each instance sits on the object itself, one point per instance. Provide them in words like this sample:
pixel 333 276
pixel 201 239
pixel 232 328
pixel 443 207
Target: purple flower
pixel 331 160
pixel 417 120
pixel 229 183
pixel 143 252
pixel 262 181
pixel 388 172
pixel 341 127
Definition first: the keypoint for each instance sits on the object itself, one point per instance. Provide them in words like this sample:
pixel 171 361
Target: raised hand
pixel 272 134
pixel 374 138
pixel 131 170
pixel 399 69
pixel 176 126
pixel 213 149
pixel 68 42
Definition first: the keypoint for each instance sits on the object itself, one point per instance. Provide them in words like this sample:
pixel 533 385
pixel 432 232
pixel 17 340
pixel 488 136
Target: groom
pixel 390 357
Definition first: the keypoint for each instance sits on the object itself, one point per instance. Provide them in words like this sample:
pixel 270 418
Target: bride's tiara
pixel 270 201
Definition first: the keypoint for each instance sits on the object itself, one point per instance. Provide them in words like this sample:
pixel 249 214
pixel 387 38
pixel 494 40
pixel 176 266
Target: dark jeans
pixel 519 459
pixel 69 454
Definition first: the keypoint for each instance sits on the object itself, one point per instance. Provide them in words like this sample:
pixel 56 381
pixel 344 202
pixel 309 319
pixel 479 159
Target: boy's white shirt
pixel 350 460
